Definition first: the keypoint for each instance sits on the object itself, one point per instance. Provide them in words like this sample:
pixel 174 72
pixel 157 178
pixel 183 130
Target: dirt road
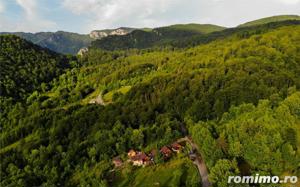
pixel 198 161
pixel 98 100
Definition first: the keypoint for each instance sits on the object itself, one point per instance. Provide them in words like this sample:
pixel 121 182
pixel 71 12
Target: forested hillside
pixel 182 36
pixel 158 37
pixel 237 94
pixel 71 43
pixel 249 139
pixel 26 67
pixel 60 42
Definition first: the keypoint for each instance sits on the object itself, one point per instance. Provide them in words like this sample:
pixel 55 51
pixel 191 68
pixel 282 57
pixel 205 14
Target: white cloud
pixel 29 21
pixel 33 21
pixel 290 2
pixel 2 7
pixel 153 13
pixel 30 7
pixel 87 15
pixel 109 13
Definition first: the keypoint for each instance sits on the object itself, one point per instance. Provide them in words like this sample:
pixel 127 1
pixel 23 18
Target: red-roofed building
pixel 140 159
pixel 167 153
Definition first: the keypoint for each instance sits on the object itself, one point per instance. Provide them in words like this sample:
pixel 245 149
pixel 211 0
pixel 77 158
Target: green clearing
pixel 108 97
pixel 176 172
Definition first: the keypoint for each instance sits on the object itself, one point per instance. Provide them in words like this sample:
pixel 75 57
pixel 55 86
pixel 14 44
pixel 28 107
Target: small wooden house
pixel 166 152
pixel 140 159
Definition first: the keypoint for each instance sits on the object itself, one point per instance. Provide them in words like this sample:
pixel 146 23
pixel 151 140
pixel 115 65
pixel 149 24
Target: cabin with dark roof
pixel 166 152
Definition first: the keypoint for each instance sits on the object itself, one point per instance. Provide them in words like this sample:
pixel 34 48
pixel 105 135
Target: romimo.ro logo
pixel 257 179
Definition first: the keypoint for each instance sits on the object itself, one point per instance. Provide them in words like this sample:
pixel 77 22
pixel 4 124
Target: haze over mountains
pixel 71 43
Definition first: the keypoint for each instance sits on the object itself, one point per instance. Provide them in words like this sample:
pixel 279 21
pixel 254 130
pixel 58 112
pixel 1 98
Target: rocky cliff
pixel 98 34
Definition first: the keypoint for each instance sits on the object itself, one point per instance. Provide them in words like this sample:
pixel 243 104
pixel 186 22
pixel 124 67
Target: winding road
pixel 198 161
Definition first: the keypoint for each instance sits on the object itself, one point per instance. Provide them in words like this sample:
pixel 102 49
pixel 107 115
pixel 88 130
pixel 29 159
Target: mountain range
pixel 71 43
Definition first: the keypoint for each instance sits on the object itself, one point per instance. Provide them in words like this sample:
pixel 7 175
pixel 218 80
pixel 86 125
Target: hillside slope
pixel 141 39
pixel 180 35
pixel 60 42
pixel 270 19
pixel 176 37
pixel 25 66
pixel 201 28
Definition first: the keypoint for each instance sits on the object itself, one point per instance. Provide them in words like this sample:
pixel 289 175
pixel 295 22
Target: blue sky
pixel 82 16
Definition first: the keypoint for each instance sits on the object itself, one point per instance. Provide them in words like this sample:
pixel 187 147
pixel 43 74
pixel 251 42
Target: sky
pixel 83 16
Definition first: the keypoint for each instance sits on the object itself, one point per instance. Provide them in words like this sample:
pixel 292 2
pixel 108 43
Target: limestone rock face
pixel 119 32
pixel 83 51
pixel 99 34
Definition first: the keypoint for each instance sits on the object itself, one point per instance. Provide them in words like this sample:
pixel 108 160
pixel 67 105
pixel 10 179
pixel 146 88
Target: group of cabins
pixel 138 158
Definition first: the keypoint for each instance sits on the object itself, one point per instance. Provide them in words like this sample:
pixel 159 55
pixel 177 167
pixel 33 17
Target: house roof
pixel 176 146
pixel 165 150
pixel 140 156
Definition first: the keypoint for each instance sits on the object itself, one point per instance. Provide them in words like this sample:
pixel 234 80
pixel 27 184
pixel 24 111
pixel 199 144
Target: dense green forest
pixel 26 67
pixel 237 93
pixel 60 42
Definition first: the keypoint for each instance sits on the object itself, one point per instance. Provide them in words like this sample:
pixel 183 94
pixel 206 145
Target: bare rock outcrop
pixel 83 51
pixel 99 34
